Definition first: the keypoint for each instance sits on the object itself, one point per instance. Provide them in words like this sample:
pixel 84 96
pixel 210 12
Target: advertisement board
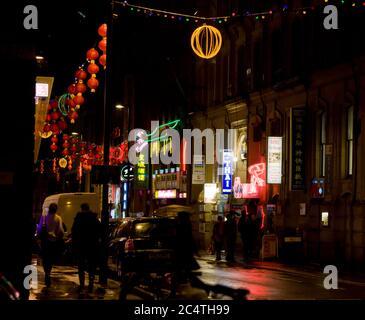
pixel 274 159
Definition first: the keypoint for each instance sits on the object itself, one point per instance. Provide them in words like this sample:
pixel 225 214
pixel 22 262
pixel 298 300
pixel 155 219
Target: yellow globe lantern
pixel 206 41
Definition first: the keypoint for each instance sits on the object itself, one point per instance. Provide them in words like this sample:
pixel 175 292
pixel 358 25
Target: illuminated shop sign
pixel 227 172
pixel 141 168
pixel 252 189
pixel 274 159
pixel 165 194
pixel 210 193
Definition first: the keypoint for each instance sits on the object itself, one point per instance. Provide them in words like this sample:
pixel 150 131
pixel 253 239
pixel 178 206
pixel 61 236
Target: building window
pixel 350 139
pixel 323 143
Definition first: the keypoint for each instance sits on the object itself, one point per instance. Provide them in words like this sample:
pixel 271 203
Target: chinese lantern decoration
pixel 90 153
pixel 206 41
pixel 99 155
pixel 41 167
pixel 82 148
pixel 74 141
pixel 86 163
pixel 65 145
pixel 62 163
pixel 79 172
pixel 54 146
pixel 80 88
pixel 69 164
pixel 54 165
pixel 102 31
pixel 93 69
pixel 93 83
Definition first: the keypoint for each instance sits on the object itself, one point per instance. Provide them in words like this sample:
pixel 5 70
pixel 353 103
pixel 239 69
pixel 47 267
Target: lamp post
pixel 103 277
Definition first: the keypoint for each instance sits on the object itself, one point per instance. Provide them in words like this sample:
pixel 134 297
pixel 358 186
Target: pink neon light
pixel 183 162
pixel 250 190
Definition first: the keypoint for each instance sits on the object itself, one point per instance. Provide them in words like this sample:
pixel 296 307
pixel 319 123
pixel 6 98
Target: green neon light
pixel 61 104
pixel 171 124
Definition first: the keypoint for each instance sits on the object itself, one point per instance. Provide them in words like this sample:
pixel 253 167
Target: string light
pixel 218 20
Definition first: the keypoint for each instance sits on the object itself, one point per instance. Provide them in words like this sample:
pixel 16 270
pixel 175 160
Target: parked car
pixel 144 245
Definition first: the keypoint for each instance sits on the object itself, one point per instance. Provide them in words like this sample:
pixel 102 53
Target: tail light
pixel 129 245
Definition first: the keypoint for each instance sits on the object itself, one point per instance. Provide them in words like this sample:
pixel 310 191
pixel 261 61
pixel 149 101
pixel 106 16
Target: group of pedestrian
pixel 225 234
pixel 85 237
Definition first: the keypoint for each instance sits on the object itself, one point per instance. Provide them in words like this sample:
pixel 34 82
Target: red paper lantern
pixel 54 139
pixel 93 68
pixel 54 147
pixel 55 129
pixel 71 103
pixel 66 144
pixel 62 125
pixel 102 45
pixel 47 128
pixel 73 115
pixel 55 115
pixel 48 117
pixel 71 89
pixel 102 31
pixel 92 54
pixel 65 152
pixel 79 100
pixel 80 87
pixel 93 83
pixel 102 60
pixel 54 104
pixel 81 74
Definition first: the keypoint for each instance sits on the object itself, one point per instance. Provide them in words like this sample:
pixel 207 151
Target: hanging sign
pixel 227 172
pixel 274 159
pixel 297 148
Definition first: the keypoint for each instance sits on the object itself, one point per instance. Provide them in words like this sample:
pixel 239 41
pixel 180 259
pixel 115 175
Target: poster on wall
pixel 274 159
pixel 297 138
pixel 198 169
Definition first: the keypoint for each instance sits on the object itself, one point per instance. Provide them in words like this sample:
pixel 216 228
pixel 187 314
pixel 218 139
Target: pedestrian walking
pixel 86 235
pixel 230 235
pixel 243 230
pixel 50 232
pixel 218 237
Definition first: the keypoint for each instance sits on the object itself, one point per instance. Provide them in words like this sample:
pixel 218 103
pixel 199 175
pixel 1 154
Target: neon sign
pixel 227 172
pixel 250 190
pixel 144 139
pixel 165 194
pixel 141 168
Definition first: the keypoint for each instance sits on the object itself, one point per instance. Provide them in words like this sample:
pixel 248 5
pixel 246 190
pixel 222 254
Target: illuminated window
pixel 323 143
pixel 350 141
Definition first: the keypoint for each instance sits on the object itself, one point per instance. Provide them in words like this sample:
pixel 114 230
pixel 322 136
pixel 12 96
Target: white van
pixel 69 204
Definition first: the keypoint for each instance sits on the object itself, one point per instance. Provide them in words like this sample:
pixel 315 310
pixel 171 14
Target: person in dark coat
pixel 86 234
pixel 218 237
pixel 243 230
pixel 230 235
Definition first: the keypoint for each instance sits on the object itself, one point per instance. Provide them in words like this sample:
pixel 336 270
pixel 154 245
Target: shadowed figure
pixel 86 234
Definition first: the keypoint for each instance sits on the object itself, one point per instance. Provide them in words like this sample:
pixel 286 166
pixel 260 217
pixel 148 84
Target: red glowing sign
pixel 252 189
